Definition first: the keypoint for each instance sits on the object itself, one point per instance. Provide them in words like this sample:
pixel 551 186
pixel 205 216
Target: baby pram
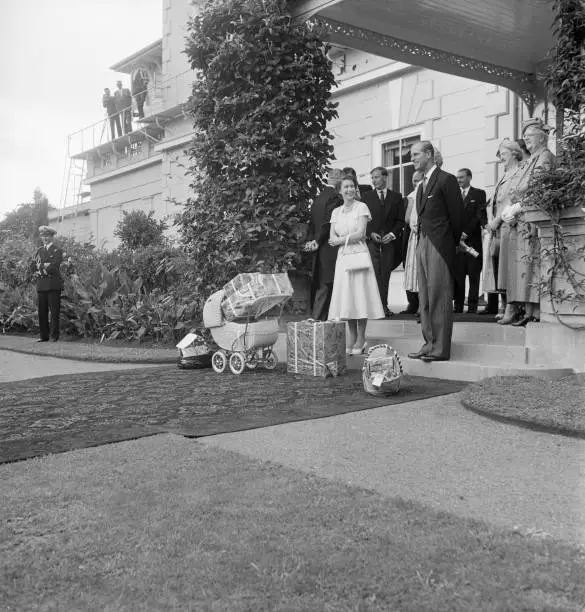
pixel 245 342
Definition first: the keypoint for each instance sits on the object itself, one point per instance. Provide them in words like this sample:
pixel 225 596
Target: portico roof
pixel 504 42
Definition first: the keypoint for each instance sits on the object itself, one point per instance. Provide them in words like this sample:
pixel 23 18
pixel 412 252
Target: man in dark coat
pixel 47 266
pixel 440 212
pixel 317 242
pixel 474 203
pixel 123 102
pixel 109 104
pixel 384 231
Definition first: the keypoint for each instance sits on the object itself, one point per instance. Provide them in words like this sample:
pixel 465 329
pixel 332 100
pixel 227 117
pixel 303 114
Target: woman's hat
pixel 47 230
pixel 536 123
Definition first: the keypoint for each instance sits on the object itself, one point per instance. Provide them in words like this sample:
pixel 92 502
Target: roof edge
pixel 127 61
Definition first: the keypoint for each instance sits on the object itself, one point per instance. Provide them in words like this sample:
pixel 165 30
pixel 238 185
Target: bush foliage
pixel 260 109
pixel 137 229
pixel 141 295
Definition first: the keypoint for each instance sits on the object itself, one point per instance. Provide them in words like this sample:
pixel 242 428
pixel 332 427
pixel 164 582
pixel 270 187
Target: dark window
pixel 396 158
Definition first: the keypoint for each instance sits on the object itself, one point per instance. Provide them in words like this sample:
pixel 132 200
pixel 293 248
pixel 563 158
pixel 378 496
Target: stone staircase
pixel 479 350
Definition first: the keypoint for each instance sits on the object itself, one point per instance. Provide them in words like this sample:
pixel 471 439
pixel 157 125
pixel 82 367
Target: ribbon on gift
pixel 331 366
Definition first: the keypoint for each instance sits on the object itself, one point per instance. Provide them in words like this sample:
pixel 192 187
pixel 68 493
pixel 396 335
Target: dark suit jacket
pixel 473 210
pixel 319 226
pixel 387 218
pixel 440 214
pixel 50 277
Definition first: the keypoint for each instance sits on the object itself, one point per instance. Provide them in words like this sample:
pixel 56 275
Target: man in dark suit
pixel 384 231
pixel 109 104
pixel 47 267
pixel 469 264
pixel 318 242
pixel 440 212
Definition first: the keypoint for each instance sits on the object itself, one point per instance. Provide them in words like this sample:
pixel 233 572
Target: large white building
pixel 384 106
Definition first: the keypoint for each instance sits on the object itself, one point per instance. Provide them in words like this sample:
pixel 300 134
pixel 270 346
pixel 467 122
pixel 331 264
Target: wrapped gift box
pixel 250 295
pixel 316 348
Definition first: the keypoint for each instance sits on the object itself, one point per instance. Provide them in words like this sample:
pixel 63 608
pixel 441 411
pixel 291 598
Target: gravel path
pixel 437 453
pixel 18 366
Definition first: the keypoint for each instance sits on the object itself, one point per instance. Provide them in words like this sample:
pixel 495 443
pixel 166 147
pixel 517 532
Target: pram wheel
pixel 270 360
pixel 219 362
pixel 237 363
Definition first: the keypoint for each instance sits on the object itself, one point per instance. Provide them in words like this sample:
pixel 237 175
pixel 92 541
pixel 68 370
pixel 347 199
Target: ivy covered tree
pixel 260 106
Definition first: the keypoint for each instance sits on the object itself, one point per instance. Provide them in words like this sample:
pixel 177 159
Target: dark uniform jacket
pixel 49 278
pixel 440 214
pixel 474 206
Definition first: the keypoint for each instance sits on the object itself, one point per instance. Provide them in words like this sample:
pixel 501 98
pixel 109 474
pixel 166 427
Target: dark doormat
pixel 60 413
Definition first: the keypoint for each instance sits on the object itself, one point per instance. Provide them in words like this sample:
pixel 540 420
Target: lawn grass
pixel 167 524
pixel 555 405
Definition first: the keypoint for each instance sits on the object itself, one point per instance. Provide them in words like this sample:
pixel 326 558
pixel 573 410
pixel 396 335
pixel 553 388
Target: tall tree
pixel 25 219
pixel 260 106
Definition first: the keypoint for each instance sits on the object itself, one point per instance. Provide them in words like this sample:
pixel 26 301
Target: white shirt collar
pixel 430 171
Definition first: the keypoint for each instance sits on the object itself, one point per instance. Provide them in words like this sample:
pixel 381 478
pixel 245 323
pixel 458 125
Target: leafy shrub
pixel 104 295
pixel 137 230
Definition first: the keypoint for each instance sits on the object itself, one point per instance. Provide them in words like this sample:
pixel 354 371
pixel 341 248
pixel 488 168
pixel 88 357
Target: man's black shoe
pixel 472 311
pixel 457 310
pixel 429 358
pixel 43 340
pixel 388 314
pixel 407 311
pixel 418 355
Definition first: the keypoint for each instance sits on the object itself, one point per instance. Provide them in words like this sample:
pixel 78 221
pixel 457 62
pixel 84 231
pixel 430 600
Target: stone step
pixel 464 351
pixel 467 370
pixel 457 368
pixel 476 333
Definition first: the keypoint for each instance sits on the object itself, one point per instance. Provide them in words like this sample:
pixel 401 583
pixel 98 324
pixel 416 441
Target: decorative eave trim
pixel 378 74
pixel 525 84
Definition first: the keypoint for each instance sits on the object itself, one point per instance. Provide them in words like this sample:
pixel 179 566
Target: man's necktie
pixel 424 184
pixel 381 196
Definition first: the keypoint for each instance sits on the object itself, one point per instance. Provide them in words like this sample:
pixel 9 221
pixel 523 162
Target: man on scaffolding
pixel 123 100
pixel 109 104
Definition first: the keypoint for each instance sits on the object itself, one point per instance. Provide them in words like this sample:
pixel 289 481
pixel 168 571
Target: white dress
pixel 355 294
pixel 410 269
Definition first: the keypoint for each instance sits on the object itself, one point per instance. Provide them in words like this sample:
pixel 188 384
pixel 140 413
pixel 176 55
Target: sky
pixel 54 60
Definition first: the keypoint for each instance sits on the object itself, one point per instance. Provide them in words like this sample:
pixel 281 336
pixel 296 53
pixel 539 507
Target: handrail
pixel 102 123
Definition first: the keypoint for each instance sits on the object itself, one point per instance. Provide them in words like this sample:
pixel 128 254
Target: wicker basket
pixel 382 371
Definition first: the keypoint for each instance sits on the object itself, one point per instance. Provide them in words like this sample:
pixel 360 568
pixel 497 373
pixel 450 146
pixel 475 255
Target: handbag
pixel 355 257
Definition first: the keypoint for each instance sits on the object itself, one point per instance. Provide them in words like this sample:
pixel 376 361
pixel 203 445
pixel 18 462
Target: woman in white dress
pixel 355 296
